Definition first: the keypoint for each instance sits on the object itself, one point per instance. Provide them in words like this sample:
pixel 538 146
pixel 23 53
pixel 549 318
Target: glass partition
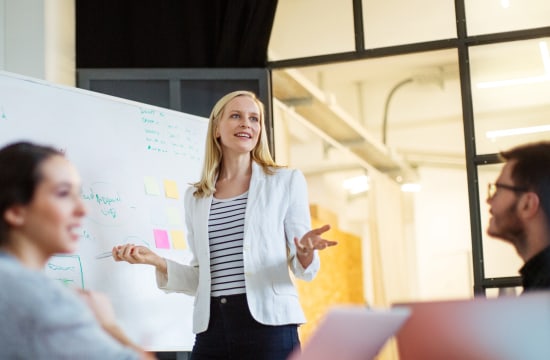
pixel 396 22
pixel 311 27
pixel 510 87
pixel 485 17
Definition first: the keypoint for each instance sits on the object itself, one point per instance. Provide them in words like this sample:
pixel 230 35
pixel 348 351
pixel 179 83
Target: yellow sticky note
pixel 171 189
pixel 178 240
pixel 174 216
pixel 151 186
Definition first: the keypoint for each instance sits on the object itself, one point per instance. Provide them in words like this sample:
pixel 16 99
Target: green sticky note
pixel 174 216
pixel 151 186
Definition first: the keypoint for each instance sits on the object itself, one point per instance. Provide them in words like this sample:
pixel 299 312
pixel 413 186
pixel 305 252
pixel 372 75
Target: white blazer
pixel 276 212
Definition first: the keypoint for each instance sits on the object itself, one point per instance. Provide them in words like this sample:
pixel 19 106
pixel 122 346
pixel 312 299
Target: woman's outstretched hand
pixel 135 254
pixel 311 241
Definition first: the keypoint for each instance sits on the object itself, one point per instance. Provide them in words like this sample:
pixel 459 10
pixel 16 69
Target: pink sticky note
pixel 161 239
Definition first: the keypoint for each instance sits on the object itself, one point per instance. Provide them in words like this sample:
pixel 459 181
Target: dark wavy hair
pixel 532 170
pixel 20 173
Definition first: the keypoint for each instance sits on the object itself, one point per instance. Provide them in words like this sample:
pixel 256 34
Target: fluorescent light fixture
pixel 545 55
pixel 517 131
pixel 411 187
pixel 356 185
pixel 518 81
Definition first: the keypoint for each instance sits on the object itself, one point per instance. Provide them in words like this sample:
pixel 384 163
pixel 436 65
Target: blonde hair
pixel 213 151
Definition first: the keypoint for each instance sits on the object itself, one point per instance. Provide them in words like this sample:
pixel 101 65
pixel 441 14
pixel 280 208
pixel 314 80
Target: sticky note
pixel 171 189
pixel 174 216
pixel 161 239
pixel 151 186
pixel 178 240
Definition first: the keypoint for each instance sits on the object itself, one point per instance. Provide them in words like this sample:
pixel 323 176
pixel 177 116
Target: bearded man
pixel 519 203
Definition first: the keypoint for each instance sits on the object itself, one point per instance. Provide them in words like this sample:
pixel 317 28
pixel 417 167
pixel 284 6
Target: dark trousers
pixel 233 334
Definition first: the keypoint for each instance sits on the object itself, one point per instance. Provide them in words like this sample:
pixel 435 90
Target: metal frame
pixel 462 43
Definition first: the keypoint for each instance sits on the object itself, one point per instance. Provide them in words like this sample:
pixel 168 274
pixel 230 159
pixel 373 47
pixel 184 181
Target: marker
pixel 104 255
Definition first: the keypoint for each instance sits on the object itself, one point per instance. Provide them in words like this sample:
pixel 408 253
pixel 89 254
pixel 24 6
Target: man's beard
pixel 509 227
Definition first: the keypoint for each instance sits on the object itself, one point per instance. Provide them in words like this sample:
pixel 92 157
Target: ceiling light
pixel 356 185
pixel 411 187
pixel 505 4
pixel 519 81
pixel 517 131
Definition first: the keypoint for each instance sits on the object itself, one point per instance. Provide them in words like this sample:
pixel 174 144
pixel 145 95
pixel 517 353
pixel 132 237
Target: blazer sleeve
pixel 180 277
pixel 297 222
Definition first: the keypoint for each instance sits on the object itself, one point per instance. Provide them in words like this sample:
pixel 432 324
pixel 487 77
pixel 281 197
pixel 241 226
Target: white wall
pixel 2 33
pixel 38 39
pixel 443 234
pixel 24 43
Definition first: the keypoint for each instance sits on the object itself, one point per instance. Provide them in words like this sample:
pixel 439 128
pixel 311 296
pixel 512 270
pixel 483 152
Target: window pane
pixel 422 93
pixel 395 22
pixel 510 93
pixel 311 27
pixel 500 257
pixel 419 97
pixel 505 15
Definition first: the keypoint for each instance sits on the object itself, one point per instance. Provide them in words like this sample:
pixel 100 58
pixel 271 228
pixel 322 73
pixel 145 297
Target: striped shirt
pixel 225 235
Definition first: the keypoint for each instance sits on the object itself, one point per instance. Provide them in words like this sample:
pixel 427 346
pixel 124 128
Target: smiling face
pixel 49 223
pixel 238 129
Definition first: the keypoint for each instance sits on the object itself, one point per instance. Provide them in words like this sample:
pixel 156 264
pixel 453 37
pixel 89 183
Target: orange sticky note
pixel 171 189
pixel 178 240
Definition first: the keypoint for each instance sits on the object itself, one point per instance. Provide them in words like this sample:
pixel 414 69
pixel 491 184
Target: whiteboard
pixel 136 161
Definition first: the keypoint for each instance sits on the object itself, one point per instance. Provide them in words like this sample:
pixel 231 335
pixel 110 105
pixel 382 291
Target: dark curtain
pixel 173 33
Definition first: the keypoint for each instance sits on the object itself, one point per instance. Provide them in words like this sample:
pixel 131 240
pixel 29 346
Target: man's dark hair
pixel 532 170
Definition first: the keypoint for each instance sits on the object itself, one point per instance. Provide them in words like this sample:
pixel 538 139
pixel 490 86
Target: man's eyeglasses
pixel 493 187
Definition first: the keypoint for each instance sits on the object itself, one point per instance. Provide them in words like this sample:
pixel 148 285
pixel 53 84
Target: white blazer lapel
pixel 256 195
pixel 201 215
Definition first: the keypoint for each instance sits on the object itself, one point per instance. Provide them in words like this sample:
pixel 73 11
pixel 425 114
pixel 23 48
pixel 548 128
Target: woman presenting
pixel 248 222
